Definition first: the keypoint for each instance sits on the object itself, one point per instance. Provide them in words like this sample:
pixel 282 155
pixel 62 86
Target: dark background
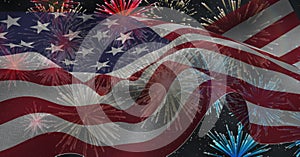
pixel 195 146
pixel 23 5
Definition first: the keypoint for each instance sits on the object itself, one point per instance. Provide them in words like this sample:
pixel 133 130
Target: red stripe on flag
pixel 292 57
pixel 97 113
pixel 274 31
pixel 274 134
pixel 151 23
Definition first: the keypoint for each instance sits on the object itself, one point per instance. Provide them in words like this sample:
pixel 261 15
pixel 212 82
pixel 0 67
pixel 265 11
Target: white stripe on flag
pixel 259 21
pixel 285 43
pixel 84 76
pixel 26 61
pixel 54 94
pixel 165 29
pixel 272 117
pixel 297 65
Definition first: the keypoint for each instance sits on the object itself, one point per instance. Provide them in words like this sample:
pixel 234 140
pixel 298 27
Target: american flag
pixel 129 86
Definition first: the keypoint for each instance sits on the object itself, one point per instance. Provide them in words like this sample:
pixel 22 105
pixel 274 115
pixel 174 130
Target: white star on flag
pixel 100 65
pixel 55 48
pixel 2 35
pixel 125 37
pixel 86 17
pixel 140 50
pixel 23 43
pixel 115 51
pixel 12 45
pixel 41 27
pixel 100 35
pixel 11 21
pixel 57 14
pixel 110 23
pixel 69 62
pixel 72 35
pixel 85 51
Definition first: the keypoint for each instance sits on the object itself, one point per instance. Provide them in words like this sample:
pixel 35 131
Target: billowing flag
pixel 129 86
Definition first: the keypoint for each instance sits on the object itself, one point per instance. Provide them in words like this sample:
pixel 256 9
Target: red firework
pixel 53 6
pixel 122 7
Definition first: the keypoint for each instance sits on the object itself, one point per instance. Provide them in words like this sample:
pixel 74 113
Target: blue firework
pixel 241 145
pixel 295 144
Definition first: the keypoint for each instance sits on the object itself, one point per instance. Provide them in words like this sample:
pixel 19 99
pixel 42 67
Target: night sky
pixel 195 146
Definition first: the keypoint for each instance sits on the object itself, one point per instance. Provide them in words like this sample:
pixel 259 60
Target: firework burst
pixel 96 135
pixel 241 145
pixel 269 84
pixel 211 62
pixel 36 122
pixel 216 108
pixel 12 63
pixel 226 8
pixel 179 11
pixel 122 7
pixel 183 6
pixel 62 6
pixel 295 144
pixel 171 101
pixel 80 97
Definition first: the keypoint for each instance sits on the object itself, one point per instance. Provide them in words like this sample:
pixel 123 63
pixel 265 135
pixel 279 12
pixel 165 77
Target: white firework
pixel 169 103
pixel 37 123
pixel 90 116
pixel 177 11
pixel 227 7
